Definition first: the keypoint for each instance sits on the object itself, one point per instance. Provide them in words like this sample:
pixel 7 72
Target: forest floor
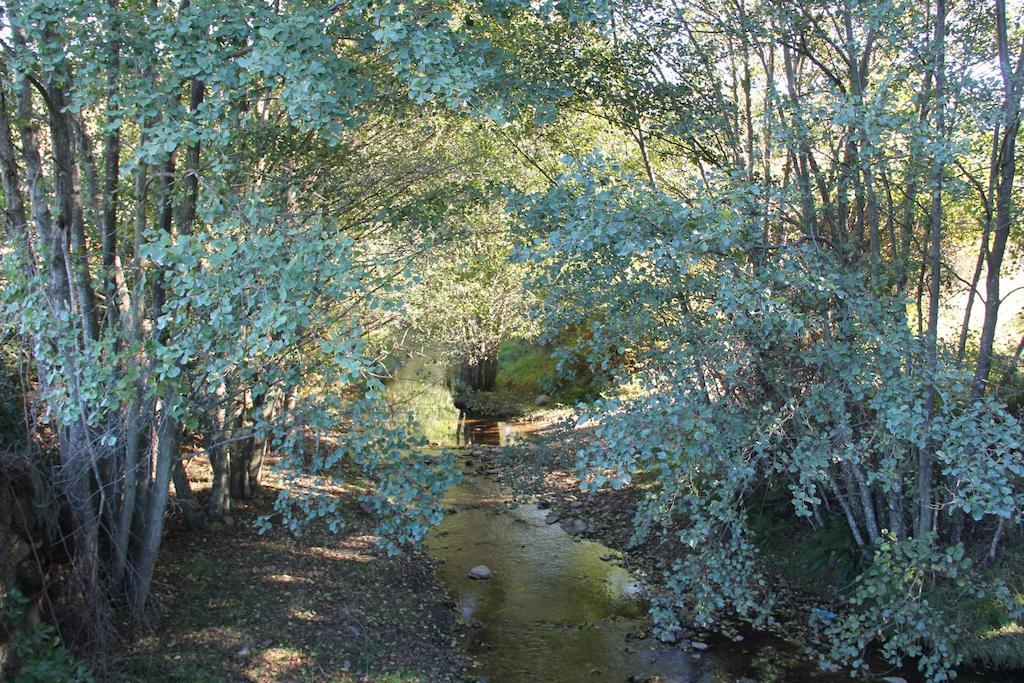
pixel 232 604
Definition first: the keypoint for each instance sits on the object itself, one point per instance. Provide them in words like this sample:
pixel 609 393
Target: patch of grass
pixel 197 566
pixel 998 648
pixel 524 372
pixel 996 639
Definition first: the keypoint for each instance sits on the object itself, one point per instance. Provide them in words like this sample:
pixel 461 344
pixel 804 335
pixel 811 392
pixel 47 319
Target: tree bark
pixel 1004 198
pixel 925 465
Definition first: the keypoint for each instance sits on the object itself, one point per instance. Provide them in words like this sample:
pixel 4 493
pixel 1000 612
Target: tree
pixel 760 288
pixel 190 284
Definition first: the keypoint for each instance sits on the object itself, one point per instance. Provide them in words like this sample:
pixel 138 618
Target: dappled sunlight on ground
pixel 237 605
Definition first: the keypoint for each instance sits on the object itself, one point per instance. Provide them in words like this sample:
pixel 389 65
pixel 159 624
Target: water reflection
pixel 554 610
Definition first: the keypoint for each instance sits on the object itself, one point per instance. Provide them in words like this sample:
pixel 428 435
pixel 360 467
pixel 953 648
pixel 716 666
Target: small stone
pixel 542 400
pixel 574 526
pixel 670 637
pixel 543 504
pixel 737 639
pixel 894 679
pixel 552 517
pixel 695 656
pixel 481 572
pixel 244 651
pixel 697 645
pixel 229 520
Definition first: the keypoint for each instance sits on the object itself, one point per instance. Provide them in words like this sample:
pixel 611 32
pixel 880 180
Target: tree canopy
pixel 221 218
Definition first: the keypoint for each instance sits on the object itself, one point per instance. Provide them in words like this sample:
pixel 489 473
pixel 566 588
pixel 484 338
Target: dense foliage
pixel 223 218
pixel 755 300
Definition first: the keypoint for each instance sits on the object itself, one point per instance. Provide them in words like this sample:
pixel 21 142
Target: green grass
pixel 525 371
pixel 998 648
pixel 996 640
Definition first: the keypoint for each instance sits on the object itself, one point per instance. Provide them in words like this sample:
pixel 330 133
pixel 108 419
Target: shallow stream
pixel 556 608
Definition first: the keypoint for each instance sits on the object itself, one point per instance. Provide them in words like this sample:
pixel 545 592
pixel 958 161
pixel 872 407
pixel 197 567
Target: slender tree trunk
pixel 113 279
pixel 220 500
pixel 925 474
pixel 1004 199
pixel 240 449
pixel 185 497
pixel 168 434
pixel 802 152
pixel 70 218
pixel 14 198
pixel 50 240
pixel 134 448
pixel 993 172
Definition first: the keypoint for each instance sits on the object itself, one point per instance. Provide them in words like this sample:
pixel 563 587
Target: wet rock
pixel 575 526
pixel 552 517
pixel 542 400
pixel 670 637
pixel 697 645
pixel 894 679
pixel 481 572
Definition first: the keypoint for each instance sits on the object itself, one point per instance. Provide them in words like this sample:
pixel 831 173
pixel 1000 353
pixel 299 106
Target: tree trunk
pixel 925 473
pixel 155 505
pixel 220 498
pixel 1004 199
pixel 481 374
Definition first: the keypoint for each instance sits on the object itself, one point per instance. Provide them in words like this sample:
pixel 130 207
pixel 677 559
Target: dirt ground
pixel 234 605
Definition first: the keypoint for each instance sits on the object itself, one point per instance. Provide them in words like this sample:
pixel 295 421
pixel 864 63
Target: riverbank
pixel 544 473
pixel 231 604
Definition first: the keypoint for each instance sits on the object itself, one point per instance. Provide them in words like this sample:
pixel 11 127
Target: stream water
pixel 557 608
